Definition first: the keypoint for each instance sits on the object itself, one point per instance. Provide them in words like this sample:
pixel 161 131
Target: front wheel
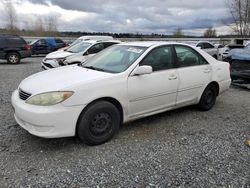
pixel 208 98
pixel 98 123
pixel 13 58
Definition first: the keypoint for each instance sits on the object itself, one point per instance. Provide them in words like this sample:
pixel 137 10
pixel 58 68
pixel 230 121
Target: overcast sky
pixel 143 16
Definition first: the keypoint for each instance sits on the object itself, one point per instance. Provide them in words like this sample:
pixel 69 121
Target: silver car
pixel 76 53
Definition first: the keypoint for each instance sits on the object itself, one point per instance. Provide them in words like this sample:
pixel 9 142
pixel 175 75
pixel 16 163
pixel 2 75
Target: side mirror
pixel 141 70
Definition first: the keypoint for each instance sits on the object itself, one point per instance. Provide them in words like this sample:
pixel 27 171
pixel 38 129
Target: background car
pixel 207 47
pixel 122 83
pixel 88 37
pixel 75 54
pixel 13 48
pixel 46 45
pixel 239 60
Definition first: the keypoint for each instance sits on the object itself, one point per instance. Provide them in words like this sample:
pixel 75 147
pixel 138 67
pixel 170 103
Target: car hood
pixel 58 54
pixel 240 54
pixel 64 78
pixel 79 57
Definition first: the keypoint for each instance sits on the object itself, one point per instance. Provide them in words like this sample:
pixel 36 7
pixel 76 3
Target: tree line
pixel 48 26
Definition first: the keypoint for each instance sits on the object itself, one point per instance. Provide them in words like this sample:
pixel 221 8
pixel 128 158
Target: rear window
pixel 207 45
pixel 16 40
pixel 58 41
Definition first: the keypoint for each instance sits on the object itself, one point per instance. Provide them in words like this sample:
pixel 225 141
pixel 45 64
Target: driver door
pixel 151 93
pixel 40 47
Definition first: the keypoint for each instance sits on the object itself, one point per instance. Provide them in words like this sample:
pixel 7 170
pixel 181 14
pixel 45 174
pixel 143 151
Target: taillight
pixel 27 47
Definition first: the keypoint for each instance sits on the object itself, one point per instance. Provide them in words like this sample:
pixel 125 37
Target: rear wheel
pixel 13 58
pixel 98 123
pixel 215 56
pixel 208 98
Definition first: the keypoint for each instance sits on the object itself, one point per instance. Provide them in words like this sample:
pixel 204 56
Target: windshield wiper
pixel 93 68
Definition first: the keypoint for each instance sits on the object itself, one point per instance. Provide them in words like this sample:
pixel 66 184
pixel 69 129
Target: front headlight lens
pixel 60 60
pixel 50 98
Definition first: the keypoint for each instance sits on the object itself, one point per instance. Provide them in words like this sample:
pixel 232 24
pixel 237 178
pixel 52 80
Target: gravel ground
pixel 181 148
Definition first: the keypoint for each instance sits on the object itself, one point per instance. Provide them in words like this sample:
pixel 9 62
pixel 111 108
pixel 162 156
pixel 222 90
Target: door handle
pixel 172 77
pixel 207 70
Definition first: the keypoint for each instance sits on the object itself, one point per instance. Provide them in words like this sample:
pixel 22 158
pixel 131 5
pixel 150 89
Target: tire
pixel 98 123
pixel 13 58
pixel 215 56
pixel 208 98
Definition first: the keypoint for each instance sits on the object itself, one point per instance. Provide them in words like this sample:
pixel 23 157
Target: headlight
pixel 60 61
pixel 50 98
pixel 66 62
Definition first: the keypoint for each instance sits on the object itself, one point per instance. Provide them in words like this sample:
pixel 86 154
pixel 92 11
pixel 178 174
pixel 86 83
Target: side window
pixel 188 57
pixel 41 42
pixel 159 58
pixel 207 45
pixel 96 48
pixel 108 44
pixel 15 41
pixel 200 45
pixel 59 41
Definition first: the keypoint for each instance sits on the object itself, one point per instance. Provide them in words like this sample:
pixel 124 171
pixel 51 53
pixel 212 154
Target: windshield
pixel 80 47
pixel 76 42
pixel 115 59
pixel 33 42
pixel 247 46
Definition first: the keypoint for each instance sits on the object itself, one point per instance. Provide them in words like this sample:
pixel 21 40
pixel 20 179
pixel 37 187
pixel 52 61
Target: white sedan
pixel 207 47
pixel 122 83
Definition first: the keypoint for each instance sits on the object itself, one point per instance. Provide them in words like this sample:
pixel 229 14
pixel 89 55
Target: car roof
pixel 150 43
pixel 95 37
pixel 9 36
pixel 96 41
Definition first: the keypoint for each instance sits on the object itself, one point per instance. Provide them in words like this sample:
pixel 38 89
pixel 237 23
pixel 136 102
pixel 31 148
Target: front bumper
pixel 46 121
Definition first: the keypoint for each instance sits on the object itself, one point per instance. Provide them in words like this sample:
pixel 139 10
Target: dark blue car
pixel 240 64
pixel 46 45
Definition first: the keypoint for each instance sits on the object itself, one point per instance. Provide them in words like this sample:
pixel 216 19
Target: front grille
pixel 23 95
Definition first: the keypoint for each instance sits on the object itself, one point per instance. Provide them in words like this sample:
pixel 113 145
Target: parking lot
pixel 182 148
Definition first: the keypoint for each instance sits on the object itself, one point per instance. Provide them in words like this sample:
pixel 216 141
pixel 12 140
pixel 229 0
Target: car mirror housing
pixel 141 70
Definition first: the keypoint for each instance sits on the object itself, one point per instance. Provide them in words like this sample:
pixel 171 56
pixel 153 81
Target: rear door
pixel 194 73
pixel 40 47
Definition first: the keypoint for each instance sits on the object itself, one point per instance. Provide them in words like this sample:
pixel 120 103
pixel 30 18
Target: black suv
pixel 13 48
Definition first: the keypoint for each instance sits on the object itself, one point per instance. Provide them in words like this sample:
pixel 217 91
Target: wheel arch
pixel 216 85
pixel 112 100
pixel 11 51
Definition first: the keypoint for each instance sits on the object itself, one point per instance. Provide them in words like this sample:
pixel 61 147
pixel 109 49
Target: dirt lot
pixel 182 148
